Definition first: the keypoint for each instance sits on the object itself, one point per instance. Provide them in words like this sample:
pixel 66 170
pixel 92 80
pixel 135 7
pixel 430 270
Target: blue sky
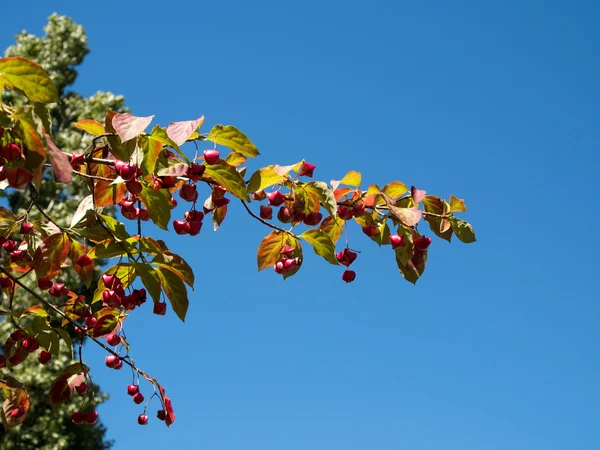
pixel 494 102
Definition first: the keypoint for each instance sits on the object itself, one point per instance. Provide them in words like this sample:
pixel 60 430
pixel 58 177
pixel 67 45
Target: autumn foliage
pixel 145 174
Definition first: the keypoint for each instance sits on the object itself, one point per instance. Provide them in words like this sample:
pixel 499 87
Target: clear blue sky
pixel 495 102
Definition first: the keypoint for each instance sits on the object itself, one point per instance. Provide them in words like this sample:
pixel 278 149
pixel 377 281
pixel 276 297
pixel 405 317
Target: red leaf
pixel 179 132
pixel 128 126
pixel 61 166
pixel 417 194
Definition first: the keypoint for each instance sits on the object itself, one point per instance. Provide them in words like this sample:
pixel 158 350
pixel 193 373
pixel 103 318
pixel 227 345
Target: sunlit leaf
pixel 228 177
pixel 61 165
pixel 90 126
pixel 175 291
pixel 180 132
pixel 50 255
pixel 322 244
pixel 29 77
pixel 129 126
pixel 234 139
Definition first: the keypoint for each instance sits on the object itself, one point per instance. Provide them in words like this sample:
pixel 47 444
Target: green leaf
pixel 218 216
pixel 176 264
pixel 50 255
pixel 441 227
pixel 151 149
pixel 14 398
pixel 463 230
pixel 263 178
pixel 28 77
pixel 175 291
pixel 234 139
pixel 228 177
pixel 7 221
pixel 158 204
pixel 90 126
pixel 150 280
pixel 36 156
pixel 395 189
pixel 352 178
pixel 66 337
pixel 179 132
pixel 322 244
pixel 235 159
pixel 129 126
pixel 106 323
pixel 325 195
pixel 415 267
pixel 269 249
pixel 457 204
pixel 111 248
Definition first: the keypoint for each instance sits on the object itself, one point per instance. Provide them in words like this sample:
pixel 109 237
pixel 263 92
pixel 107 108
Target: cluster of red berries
pixel 20 345
pixel 293 210
pixel 192 223
pixel 79 417
pixel 288 262
pixel 114 294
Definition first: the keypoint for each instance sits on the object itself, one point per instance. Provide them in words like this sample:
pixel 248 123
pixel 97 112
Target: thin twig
pixel 264 222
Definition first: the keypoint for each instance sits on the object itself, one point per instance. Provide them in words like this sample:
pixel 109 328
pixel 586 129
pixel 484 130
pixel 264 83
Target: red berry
pixel 113 339
pixel 111 281
pixel 44 284
pixel 81 388
pixel 287 251
pixel 138 398
pixel 45 357
pixel 397 241
pixel 275 198
pixel 358 209
pixel 91 417
pixel 129 211
pixel 84 260
pixel 161 414
pixel 6 282
pixel 188 192
pixel 307 169
pixel 220 202
pixel 142 419
pixel 313 218
pixel 133 389
pixel 285 214
pixel 421 243
pixel 111 298
pixel 77 160
pixel 193 216
pixel 143 214
pixel 11 152
pixel 126 170
pixel 266 212
pixel 15 360
pixel 134 186
pixel 90 322
pixel 58 290
pixel 160 308
pixel 344 212
pixel 10 246
pixel 370 230
pixel 195 228
pixel 112 361
pixel 181 226
pixel 119 365
pixel 348 276
pixel 17 413
pixel 173 202
pixel 259 195
pixel 211 156
pixel 17 335
pixel 30 344
pixel 346 257
pixel 77 417
pixel 195 171
pixel 26 228
pixel 3 175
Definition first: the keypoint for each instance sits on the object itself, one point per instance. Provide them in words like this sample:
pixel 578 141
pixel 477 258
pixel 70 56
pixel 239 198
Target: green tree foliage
pixel 59 52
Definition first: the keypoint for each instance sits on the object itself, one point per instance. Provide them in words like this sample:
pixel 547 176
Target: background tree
pixel 143 173
pixel 60 51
